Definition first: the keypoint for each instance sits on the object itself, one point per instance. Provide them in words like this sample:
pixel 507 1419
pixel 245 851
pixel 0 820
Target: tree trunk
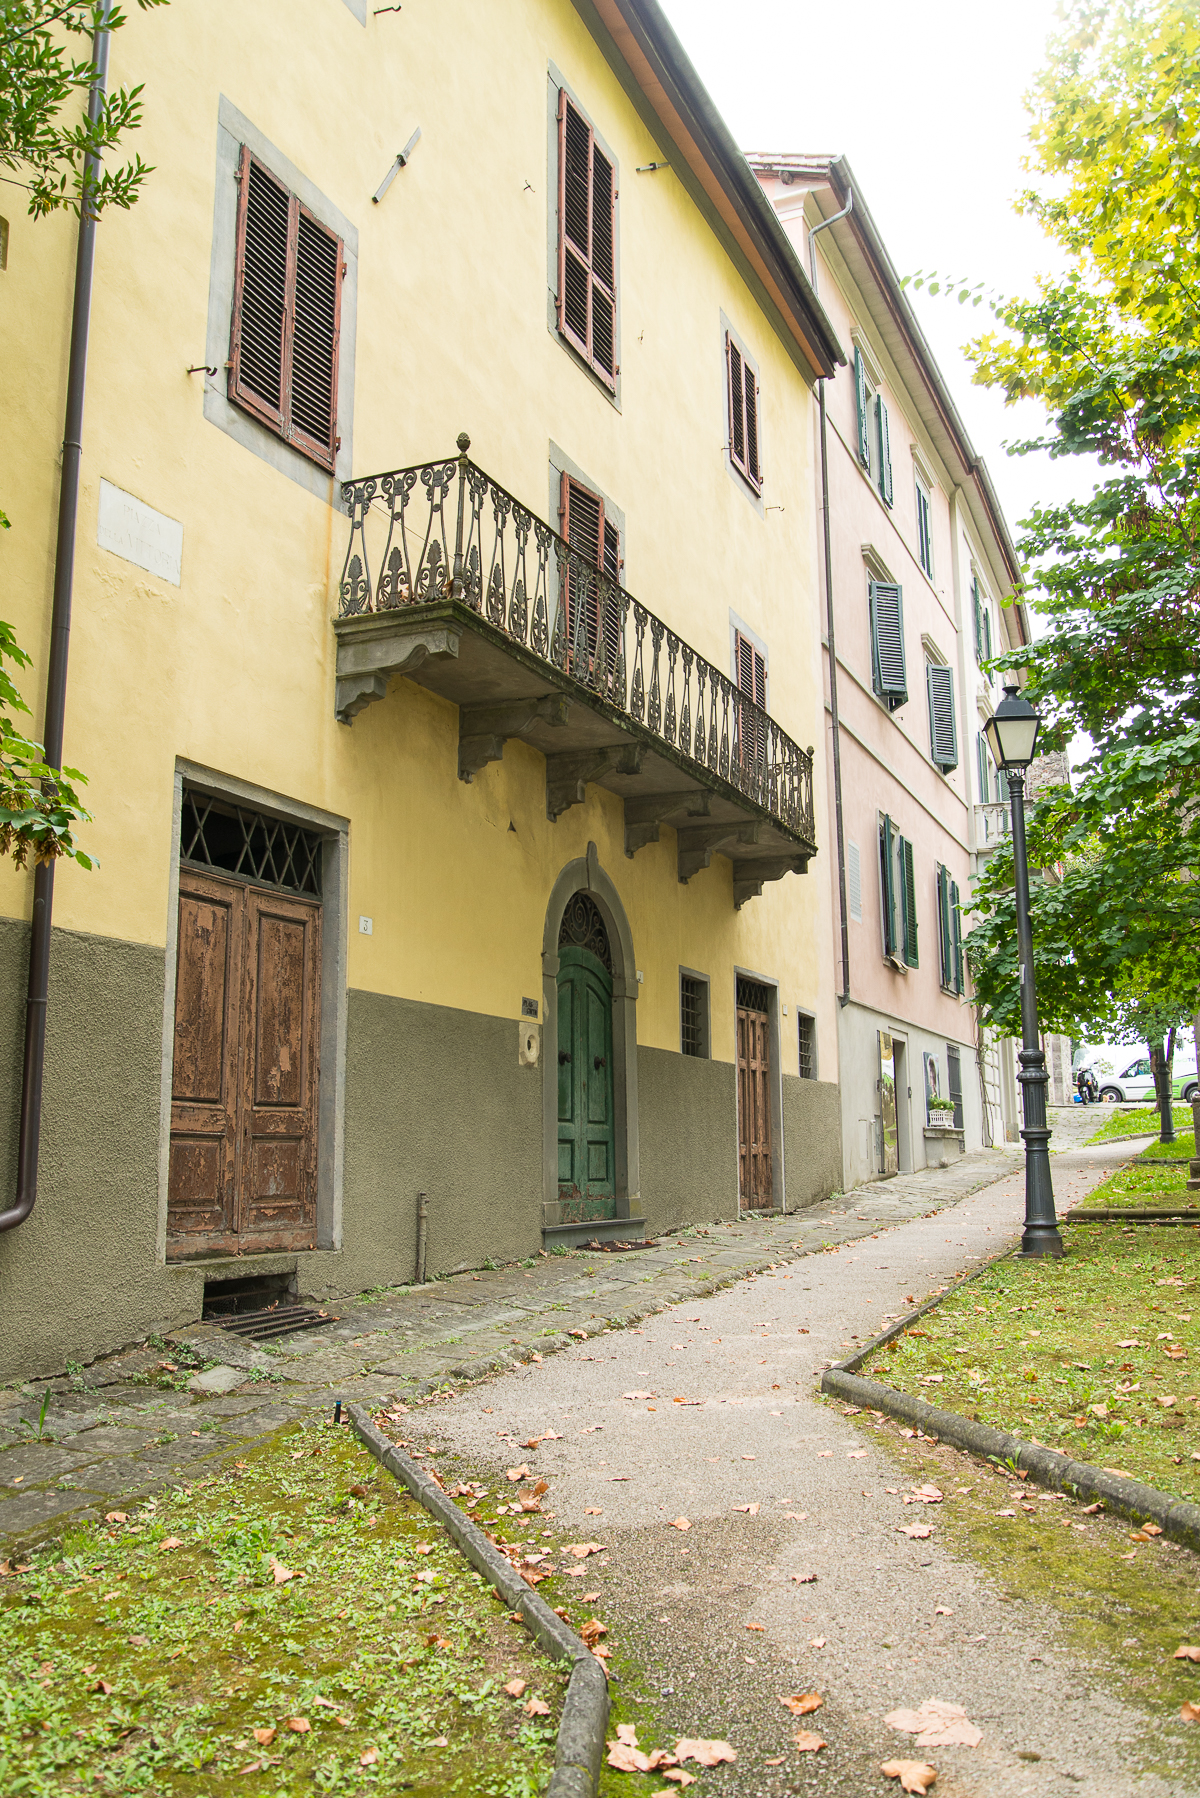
pixel 1160 1063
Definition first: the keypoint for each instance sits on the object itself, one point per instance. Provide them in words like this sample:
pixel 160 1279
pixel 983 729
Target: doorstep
pixel 597 1229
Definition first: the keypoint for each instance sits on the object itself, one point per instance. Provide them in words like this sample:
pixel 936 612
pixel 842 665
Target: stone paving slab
pixel 104 1426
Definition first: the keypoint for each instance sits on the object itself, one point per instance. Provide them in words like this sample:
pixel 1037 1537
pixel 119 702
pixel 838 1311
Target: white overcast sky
pixel 925 101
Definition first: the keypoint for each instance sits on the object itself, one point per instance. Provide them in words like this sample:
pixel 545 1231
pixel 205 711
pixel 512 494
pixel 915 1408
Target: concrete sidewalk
pixel 128 1425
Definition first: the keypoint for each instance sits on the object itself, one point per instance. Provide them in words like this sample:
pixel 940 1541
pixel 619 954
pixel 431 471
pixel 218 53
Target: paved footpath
pixel 736 1319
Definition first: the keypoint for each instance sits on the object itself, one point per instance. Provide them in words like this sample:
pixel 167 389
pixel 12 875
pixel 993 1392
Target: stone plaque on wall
pixel 135 531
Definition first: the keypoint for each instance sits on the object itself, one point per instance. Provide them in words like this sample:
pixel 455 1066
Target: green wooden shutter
pixel 910 903
pixel 943 736
pixel 982 768
pixel 956 926
pixel 860 394
pixel 987 635
pixel 885 451
pixel 887 871
pixel 887 642
pixel 945 935
pixel 978 621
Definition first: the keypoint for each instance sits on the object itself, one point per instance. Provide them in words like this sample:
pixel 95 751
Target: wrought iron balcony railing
pixel 450 532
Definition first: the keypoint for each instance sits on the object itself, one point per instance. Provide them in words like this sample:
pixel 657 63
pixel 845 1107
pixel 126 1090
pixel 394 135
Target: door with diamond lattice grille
pixel 242 1167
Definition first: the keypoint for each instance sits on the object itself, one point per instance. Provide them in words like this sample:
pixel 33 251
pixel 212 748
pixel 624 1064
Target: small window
pixel 983 624
pixel 587 232
pixel 874 437
pixel 286 315
pixel 924 527
pixel 899 894
pixel 890 681
pixel 950 932
pixel 854 881
pixel 693 1015
pixel 943 734
pixel 742 389
pixel 808 1046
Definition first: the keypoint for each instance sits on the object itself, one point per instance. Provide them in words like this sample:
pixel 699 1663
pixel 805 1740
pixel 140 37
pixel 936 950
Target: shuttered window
pixel 924 528
pixel 854 881
pixel 587 229
pixel 751 668
pixel 950 932
pixel 987 634
pixel 884 442
pixel 743 414
pixel 943 735
pixel 593 610
pixel 862 406
pixel 286 315
pixel 887 642
pixel 899 893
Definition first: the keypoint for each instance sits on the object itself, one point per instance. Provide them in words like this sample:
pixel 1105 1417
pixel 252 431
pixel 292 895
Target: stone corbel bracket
pixel 368 658
pixel 749 877
pixel 567 776
pixel 483 730
pixel 698 843
pixel 645 815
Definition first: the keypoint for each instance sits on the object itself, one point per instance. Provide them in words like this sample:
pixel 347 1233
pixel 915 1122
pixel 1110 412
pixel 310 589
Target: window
pixel 950 932
pixel 899 892
pixel 592 607
pixel 990 785
pixel 808 1046
pixel 924 527
pixel 750 668
pixel 693 1015
pixel 983 624
pixel 742 390
pixel 889 679
pixel 954 1083
pixel 854 881
pixel 874 440
pixel 587 234
pixel 943 735
pixel 286 315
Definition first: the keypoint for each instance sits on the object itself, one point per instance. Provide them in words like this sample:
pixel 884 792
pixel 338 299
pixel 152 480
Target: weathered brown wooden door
pixel 754 1095
pixel 244 1091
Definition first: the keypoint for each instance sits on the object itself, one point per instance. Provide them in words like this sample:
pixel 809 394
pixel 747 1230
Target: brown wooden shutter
pixel 743 414
pixel 752 681
pixel 596 540
pixel 286 315
pixel 587 199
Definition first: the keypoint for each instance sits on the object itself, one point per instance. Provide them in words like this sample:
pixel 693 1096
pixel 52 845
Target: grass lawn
pixel 1183 1148
pixel 1097 1354
pixel 295 1624
pixel 1142 1120
pixel 1144 1183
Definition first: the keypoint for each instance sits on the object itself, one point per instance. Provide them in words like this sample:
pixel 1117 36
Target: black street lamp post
pixel 1012 734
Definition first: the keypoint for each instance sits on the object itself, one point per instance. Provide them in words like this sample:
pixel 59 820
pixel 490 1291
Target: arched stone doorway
pixel 589 998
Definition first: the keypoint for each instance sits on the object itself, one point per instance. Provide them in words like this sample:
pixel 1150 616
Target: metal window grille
pixel 753 995
pixel 808 1047
pixel 248 845
pixel 692 1016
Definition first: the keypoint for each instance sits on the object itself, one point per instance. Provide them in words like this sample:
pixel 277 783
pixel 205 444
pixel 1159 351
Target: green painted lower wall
pixel 688 1138
pixel 812 1140
pixel 436 1102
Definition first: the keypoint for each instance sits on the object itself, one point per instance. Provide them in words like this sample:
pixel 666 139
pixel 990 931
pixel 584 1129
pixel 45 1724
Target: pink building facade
pixel 918 561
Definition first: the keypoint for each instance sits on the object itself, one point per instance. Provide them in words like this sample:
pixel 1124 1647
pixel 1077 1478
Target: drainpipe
pixel 844 995
pixel 56 679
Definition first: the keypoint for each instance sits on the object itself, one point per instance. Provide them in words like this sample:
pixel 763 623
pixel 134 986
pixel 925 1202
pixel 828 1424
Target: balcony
pixel 451 582
pixel 993 822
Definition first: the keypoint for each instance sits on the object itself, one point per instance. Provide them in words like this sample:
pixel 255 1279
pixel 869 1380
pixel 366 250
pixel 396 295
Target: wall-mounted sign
pixel 137 533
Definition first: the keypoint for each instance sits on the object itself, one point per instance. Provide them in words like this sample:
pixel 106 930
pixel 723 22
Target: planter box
pixel 943 1144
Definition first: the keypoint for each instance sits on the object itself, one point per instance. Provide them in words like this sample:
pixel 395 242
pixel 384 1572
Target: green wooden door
pixel 586 1136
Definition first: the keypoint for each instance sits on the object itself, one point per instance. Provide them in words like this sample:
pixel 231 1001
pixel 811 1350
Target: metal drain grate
pixel 275 1320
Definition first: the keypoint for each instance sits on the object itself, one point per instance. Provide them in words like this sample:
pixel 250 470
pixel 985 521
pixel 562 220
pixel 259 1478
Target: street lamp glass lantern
pixel 1012 731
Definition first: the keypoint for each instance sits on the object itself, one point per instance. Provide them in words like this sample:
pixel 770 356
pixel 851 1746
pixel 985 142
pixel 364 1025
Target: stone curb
pixel 1110 1215
pixel 585 1712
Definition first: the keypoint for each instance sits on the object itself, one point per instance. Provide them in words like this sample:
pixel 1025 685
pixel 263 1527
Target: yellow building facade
pixel 392 839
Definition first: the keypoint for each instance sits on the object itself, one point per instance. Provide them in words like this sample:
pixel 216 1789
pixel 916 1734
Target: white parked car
pixel 1135 1083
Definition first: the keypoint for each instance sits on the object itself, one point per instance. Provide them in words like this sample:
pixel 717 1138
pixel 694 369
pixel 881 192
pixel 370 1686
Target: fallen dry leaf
pixel 517 1473
pixel 170 1542
pixel 937 1724
pixel 368 1757
pixel 264 1737
pixel 919 1531
pixel 593 1511
pixel 1186 1653
pixel 116 1516
pixel 756 1626
pixel 590 1597
pixel 516 1688
pixel 592 1630
pixel 300 1725
pixel 856 1454
pixel 816 1642
pixel 808 1742
pixel 1189 1711
pixel 753 1510
pixel 680 1523
pixel 923 1495
pixel 102 1685
pixel 581 1550
pixel 804 1579
pixel 705 1754
pixel 679 1775
pixel 536 1707
pixel 638 1395
pixel 281 1574
pixel 802 1703
pixel 914 1776
pixel 627 1758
